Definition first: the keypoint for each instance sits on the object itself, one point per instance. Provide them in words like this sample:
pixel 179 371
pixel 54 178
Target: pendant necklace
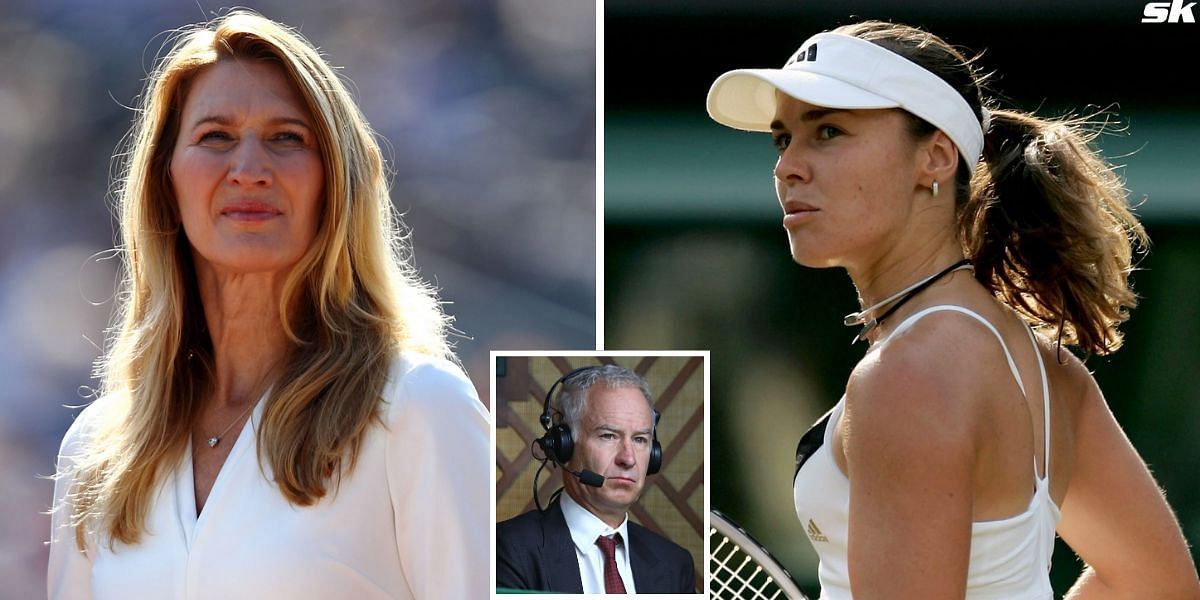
pixel 904 295
pixel 216 439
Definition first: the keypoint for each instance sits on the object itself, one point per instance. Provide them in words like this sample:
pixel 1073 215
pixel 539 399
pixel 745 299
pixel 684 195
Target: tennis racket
pixel 741 569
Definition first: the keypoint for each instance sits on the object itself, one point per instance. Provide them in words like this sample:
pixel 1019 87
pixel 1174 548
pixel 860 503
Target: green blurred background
pixel 696 258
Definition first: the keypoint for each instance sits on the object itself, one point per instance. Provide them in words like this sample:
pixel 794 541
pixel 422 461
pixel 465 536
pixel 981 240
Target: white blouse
pixel 411 521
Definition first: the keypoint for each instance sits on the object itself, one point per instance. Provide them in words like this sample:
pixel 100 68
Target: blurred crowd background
pixel 487 109
pixel 696 257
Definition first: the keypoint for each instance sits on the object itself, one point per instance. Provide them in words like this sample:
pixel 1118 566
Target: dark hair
pixel 1044 219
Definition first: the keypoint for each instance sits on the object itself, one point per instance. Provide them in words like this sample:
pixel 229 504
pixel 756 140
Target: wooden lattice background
pixel 672 502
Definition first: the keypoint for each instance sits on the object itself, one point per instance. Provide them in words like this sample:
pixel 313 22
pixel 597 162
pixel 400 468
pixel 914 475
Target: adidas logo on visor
pixel 806 54
pixel 853 74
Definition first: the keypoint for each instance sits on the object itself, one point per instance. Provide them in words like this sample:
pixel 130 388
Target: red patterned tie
pixel 612 578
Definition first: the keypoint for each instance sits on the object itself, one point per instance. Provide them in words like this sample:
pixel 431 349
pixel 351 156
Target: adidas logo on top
pixel 814 532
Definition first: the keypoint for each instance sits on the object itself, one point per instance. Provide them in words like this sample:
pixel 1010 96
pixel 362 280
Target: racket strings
pixel 736 575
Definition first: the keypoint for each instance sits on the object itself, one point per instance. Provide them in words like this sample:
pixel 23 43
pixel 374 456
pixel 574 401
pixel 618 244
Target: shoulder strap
pixel 1045 405
pixel 912 320
pixel 1012 367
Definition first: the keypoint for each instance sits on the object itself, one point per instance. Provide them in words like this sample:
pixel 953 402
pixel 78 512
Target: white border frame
pixel 594 353
pixel 599 177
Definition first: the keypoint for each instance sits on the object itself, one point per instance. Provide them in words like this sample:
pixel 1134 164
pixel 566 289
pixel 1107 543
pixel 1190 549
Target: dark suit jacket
pixel 534 552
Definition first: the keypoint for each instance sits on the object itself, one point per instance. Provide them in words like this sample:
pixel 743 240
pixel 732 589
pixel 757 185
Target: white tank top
pixel 1010 557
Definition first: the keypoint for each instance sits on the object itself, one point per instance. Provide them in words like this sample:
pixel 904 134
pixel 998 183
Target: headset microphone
pixel 587 477
pixel 558 444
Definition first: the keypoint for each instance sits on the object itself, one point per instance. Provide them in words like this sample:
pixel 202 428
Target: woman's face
pixel 845 180
pixel 247 169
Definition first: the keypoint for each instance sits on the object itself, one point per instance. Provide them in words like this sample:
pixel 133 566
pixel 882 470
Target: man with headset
pixel 603 434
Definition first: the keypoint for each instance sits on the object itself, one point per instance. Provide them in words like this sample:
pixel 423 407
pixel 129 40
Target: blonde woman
pixel 281 416
pixel 964 440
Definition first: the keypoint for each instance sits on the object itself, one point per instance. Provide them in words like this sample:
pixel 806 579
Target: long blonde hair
pixel 350 303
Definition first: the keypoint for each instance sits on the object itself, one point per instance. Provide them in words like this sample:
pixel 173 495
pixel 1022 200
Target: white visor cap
pixel 834 70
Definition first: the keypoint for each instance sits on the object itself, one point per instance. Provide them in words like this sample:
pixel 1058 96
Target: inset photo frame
pixel 586 417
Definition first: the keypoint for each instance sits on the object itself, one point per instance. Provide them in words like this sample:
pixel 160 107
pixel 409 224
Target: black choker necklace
pixel 901 297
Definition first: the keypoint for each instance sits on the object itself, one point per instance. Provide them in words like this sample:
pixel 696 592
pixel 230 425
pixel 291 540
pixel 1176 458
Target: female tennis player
pixel 981 241
pixel 281 415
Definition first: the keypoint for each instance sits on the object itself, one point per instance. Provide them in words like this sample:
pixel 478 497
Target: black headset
pixel 558 444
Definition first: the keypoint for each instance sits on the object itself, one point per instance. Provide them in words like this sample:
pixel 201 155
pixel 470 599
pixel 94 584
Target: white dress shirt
pixel 411 520
pixel 585 529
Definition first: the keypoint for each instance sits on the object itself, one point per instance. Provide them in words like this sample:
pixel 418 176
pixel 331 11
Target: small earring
pixel 934 187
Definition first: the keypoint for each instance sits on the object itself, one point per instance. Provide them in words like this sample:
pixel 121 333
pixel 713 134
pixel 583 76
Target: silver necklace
pixel 216 439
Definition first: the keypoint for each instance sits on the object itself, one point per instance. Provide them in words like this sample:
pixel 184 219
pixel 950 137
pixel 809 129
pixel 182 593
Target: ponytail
pixel 1043 217
pixel 1048 226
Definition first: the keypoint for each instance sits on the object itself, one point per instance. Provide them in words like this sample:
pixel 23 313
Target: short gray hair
pixel 572 398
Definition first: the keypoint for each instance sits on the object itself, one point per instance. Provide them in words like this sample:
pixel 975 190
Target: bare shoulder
pixel 919 388
pixel 1072 385
pixel 929 372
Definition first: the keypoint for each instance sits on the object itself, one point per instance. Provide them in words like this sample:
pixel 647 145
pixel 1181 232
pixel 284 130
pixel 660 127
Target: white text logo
pixel 1174 11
